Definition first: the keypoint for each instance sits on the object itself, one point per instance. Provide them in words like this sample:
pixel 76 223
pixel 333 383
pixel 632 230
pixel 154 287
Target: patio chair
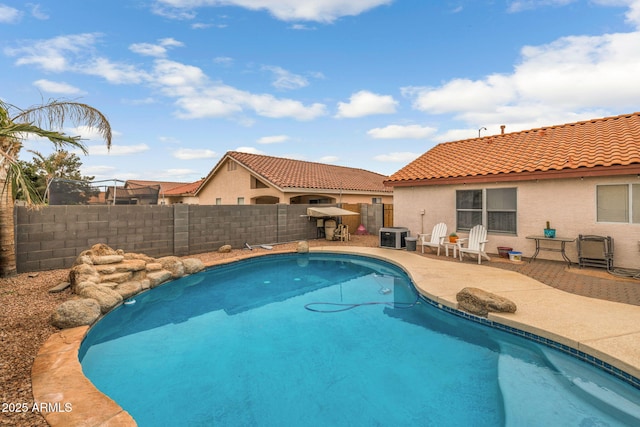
pixel 342 233
pixel 435 239
pixel 475 243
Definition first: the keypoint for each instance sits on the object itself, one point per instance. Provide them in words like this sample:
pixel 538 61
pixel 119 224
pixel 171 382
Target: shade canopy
pixel 329 211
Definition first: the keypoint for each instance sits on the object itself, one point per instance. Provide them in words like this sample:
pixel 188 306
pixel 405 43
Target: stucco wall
pixel 569 204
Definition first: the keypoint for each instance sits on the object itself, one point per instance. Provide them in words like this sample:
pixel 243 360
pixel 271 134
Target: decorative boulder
pixel 101 249
pixel 224 249
pixel 104 277
pixel 192 265
pixel 76 312
pixel 303 247
pixel 480 302
pixel 172 264
pixel 129 289
pixel 83 273
pixel 106 297
pixel 156 278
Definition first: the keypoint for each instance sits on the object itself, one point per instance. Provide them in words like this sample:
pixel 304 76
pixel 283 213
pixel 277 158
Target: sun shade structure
pixel 329 211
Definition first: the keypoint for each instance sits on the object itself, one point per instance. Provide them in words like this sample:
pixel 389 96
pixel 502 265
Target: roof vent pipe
pixel 502 129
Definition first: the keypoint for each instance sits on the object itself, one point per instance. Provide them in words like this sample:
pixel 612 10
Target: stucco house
pixel 584 178
pixel 244 178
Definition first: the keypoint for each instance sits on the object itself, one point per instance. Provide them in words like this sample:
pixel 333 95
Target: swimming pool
pixel 326 339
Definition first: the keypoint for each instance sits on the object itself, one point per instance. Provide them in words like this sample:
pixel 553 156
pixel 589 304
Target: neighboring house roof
pixel 294 175
pixel 184 189
pixel 605 146
pixel 164 185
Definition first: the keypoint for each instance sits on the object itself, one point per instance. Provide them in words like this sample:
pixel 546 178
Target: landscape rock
pixel 153 266
pixel 59 287
pixel 117 277
pixel 107 298
pixel 101 249
pixel 158 277
pixel 192 265
pixel 83 273
pixel 106 259
pixel 107 277
pixel 172 264
pixel 480 302
pixel 129 289
pixel 225 249
pixel 303 247
pixel 76 312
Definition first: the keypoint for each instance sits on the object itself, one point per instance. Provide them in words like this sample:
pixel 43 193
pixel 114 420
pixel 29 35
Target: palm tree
pixel 42 121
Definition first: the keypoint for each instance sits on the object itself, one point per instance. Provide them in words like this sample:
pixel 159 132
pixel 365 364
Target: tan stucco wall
pixel 569 204
pixel 229 185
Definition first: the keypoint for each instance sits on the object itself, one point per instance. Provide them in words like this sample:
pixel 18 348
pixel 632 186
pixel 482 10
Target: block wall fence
pixel 52 237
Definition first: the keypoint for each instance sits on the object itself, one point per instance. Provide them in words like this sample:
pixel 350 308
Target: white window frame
pixel 485 210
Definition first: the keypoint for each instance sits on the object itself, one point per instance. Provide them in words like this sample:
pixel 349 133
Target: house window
pixel 218 201
pixel 618 203
pixel 241 200
pixel 495 208
pixel 376 200
pixel 256 183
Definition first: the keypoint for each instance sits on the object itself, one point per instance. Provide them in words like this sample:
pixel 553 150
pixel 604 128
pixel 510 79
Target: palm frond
pixel 55 114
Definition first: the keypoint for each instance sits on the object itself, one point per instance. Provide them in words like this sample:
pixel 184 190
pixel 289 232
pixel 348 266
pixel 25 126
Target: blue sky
pixel 370 84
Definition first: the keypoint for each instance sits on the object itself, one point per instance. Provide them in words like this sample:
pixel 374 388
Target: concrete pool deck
pixel 609 331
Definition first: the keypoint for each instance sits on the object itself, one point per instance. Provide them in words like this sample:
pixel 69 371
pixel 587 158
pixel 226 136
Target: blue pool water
pixel 326 339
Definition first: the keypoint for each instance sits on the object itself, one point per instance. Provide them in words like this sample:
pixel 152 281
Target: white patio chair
pixel 475 243
pixel 435 239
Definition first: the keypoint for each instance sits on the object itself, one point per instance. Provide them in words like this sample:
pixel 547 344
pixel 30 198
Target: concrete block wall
pixel 53 236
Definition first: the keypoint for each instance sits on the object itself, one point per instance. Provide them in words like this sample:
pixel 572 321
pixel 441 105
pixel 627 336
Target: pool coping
pixel 601 332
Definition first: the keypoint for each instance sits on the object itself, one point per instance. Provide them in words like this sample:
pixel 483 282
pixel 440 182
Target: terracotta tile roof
pixel 597 146
pixel 289 174
pixel 164 185
pixel 189 188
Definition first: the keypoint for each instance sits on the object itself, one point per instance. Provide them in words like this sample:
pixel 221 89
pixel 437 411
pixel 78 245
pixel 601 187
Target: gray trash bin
pixel 411 243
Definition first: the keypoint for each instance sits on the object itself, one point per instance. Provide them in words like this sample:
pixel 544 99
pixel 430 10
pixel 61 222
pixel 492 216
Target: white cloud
pixel 158 50
pixel 36 12
pixel 275 139
pixel 285 79
pixel 401 157
pixel 365 103
pixel 57 87
pixel 250 150
pixel 328 159
pixel 9 15
pixel 117 150
pixel 572 78
pixel 521 5
pixel 197 97
pixel 148 49
pixel 75 53
pixel 51 54
pixel 402 132
pixel 287 10
pixel 192 153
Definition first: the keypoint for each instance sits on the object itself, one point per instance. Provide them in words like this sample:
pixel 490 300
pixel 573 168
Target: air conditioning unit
pixel 393 237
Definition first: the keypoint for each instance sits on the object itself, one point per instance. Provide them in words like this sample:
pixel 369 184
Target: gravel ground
pixel 26 306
